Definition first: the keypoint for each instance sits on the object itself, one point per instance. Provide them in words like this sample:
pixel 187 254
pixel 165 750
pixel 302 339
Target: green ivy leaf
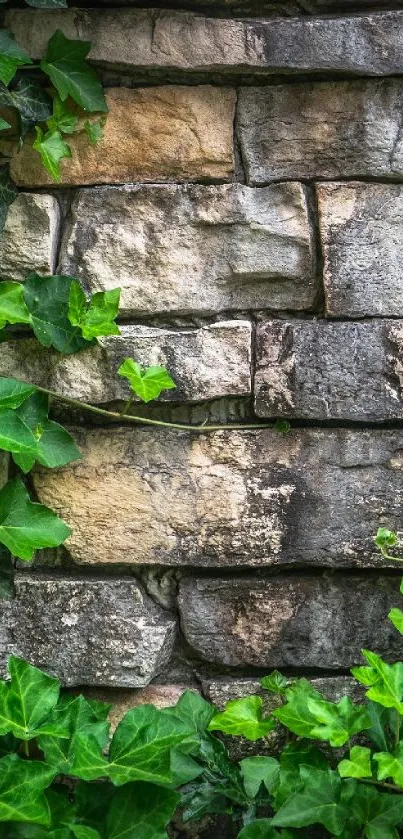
pixel 14 393
pixel 359 764
pixel 15 436
pixel 22 785
pixel 396 617
pixel 376 812
pixel 391 765
pixel 337 722
pixel 4 125
pixel 8 194
pixel 385 681
pixel 11 56
pixel 193 710
pixel 293 756
pixel 26 526
pixel 275 682
pixel 385 538
pixel 94 131
pixel 69 72
pixel 52 149
pixel 243 717
pixel 47 299
pixel 258 770
pixel 97 317
pixel 83 721
pixel 12 304
pixel 63 119
pixel 55 446
pixel 295 715
pixel 318 802
pixel 27 700
pixel 259 829
pixel 147 384
pixel 32 103
pixel 141 811
pixel 142 743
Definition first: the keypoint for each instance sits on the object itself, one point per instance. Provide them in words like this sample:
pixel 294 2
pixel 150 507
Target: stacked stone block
pixel 247 197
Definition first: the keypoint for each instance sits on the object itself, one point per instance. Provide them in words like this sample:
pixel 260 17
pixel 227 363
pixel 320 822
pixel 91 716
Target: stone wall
pixel 248 199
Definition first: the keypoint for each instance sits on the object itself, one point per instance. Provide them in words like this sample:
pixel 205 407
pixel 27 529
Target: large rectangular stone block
pixel 205 363
pixel 135 40
pixel 170 133
pixel 86 631
pixel 337 129
pixel 194 248
pixel 29 240
pixel 287 621
pixel 228 498
pixel 321 370
pixel 361 228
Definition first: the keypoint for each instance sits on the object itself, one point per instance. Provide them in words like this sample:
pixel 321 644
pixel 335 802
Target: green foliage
pixel 52 149
pixel 95 317
pixel 26 526
pixel 147 384
pixel 11 56
pixel 243 717
pixel 65 64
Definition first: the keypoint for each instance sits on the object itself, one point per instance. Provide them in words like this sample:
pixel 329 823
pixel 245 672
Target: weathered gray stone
pixel 30 237
pixel 361 228
pixel 141 39
pixel 320 622
pixel 87 631
pixel 194 248
pixel 339 129
pixel 205 363
pixel 321 370
pixel 221 691
pixel 237 498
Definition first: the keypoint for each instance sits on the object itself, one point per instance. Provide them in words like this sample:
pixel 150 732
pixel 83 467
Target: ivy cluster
pixel 340 773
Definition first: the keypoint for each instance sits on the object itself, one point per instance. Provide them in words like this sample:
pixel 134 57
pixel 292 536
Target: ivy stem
pixel 397 729
pixel 26 748
pixel 113 415
pixel 382 784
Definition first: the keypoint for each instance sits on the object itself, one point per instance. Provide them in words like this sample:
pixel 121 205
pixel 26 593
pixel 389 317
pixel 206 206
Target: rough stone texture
pixel 361 227
pixel 170 133
pixel 162 696
pixel 250 498
pixel 194 248
pixel 87 631
pixel 206 363
pixel 320 622
pixel 29 239
pixel 221 691
pixel 341 129
pixel 321 370
pixel 141 39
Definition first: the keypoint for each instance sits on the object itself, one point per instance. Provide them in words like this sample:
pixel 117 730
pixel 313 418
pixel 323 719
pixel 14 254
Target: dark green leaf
pixel 146 384
pixel 31 101
pixel 141 811
pixel 257 771
pixel 193 710
pixel 22 785
pixel 26 701
pixel 15 436
pixel 67 68
pixel 13 393
pixel 275 682
pixel 11 56
pixel 259 829
pixel 55 446
pixel 97 317
pixel 84 722
pixel 4 125
pixel 318 802
pixel 26 526
pixel 52 149
pixel 292 758
pixel 47 299
pixel 63 119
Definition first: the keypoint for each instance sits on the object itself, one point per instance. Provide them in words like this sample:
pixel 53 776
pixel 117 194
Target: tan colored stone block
pixel 29 239
pixel 170 133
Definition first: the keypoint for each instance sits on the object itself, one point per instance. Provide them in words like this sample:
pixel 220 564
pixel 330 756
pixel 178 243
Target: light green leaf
pixel 147 384
pixel 141 811
pixel 52 149
pixel 337 722
pixel 95 131
pixel 243 717
pixel 275 682
pixel 55 446
pixel 317 803
pixel 12 304
pixel 142 743
pixel 4 125
pixel 396 617
pixel 68 70
pixel 385 681
pixel 26 526
pixel 295 714
pixel 193 710
pixel 47 299
pixel 391 765
pixel 11 56
pixel 15 436
pixel 259 829
pixel 385 538
pixel 22 785
pixel 26 701
pixel 359 764
pixel 257 771
pixel 63 119
pixel 97 317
